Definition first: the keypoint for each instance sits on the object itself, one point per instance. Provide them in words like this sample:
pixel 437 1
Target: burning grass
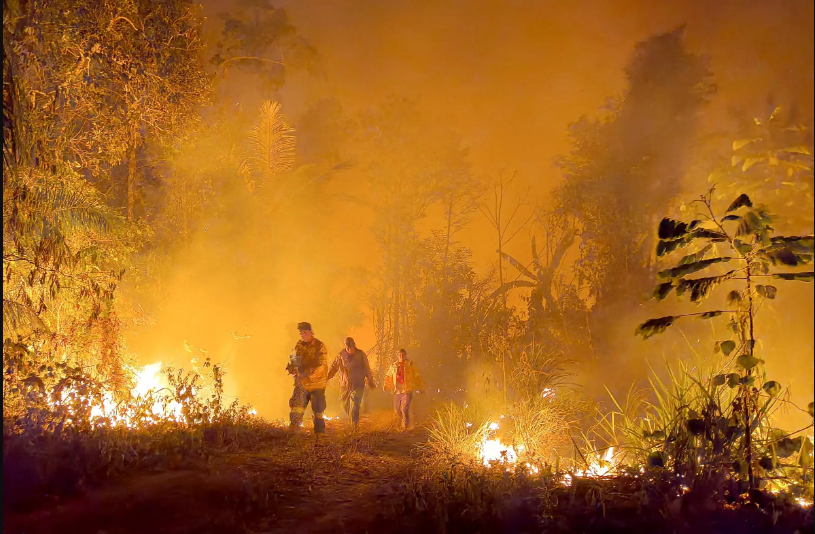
pixel 532 434
pixel 647 464
pixel 64 427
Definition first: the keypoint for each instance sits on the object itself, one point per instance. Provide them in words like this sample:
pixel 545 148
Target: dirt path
pixel 290 484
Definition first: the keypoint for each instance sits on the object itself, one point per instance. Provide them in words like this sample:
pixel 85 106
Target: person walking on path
pixel 355 373
pixel 309 367
pixel 403 379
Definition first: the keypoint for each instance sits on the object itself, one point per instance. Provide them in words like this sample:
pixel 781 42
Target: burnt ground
pixel 355 483
pixel 289 484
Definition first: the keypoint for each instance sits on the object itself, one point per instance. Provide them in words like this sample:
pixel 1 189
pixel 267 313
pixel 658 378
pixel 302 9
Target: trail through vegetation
pixel 376 480
pixel 290 483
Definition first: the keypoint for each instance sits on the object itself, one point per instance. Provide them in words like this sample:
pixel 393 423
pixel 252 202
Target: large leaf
pixel 733 380
pixel 662 290
pixel 743 248
pixel 798 244
pixel 741 200
pixel 733 298
pixel 718 380
pixel 772 388
pixel 768 292
pixel 750 224
pixel 652 327
pixel 690 268
pixel 700 287
pixel 666 247
pixel 801 277
pixel 672 229
pixel 747 380
pixel 783 256
pixel 726 347
pixel 711 314
pixel 704 233
pixel 696 256
pixel 786 447
pixel 747 362
pixel 510 286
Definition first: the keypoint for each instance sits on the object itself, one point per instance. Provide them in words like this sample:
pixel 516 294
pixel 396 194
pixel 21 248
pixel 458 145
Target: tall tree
pixel 256 47
pixel 626 168
pixel 101 78
pixel 407 157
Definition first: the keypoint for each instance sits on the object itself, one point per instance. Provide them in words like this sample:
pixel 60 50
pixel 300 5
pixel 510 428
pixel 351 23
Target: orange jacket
pixel 413 380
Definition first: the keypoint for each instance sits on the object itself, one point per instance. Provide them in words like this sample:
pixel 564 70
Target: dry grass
pixel 450 439
pixel 545 425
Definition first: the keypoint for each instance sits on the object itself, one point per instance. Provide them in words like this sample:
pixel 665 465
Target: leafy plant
pixel 742 238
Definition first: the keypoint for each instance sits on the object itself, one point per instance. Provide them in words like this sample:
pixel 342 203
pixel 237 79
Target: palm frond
pixel 271 142
pixel 67 204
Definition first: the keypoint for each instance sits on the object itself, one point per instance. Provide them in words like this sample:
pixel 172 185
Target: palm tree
pixel 266 164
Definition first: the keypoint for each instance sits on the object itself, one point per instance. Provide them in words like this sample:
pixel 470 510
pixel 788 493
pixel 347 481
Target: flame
pixel 148 380
pixel 599 467
pixel 492 450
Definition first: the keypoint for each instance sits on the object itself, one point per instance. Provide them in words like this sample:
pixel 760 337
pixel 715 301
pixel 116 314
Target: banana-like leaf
pixel 518 265
pixel 510 286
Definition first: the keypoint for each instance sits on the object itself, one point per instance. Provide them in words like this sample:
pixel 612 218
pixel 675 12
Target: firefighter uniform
pixel 309 383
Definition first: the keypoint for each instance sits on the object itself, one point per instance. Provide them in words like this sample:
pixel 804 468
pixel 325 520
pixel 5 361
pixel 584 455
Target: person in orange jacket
pixel 403 379
pixel 310 369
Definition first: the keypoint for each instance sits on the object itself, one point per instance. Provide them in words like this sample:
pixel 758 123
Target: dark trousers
pixel 299 401
pixel 401 404
pixel 351 401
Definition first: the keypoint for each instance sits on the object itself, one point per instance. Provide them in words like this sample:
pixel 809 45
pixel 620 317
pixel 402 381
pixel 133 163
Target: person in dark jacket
pixel 355 373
